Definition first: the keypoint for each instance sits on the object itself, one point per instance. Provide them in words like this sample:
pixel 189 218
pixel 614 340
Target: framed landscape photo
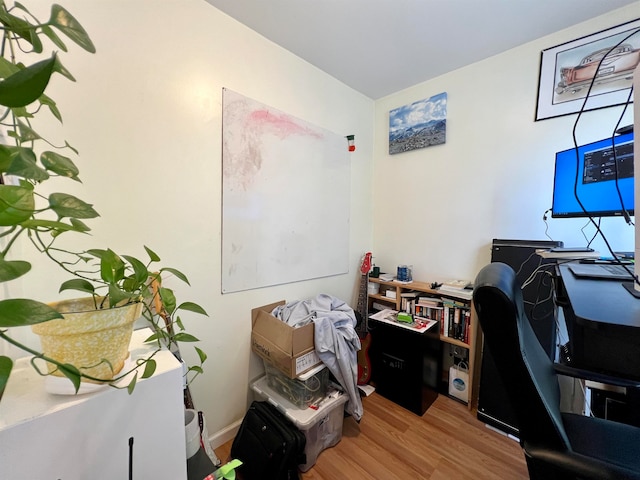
pixel 567 71
pixel 419 125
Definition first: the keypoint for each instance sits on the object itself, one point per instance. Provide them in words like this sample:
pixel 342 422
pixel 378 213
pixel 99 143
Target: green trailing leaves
pixel 67 24
pixel 26 133
pixel 185 337
pixel 26 85
pixel 53 226
pixel 22 28
pixel 53 108
pixel 10 270
pixel 152 338
pixel 111 267
pixel 59 164
pixel 152 255
pixel 72 373
pixel 5 157
pixel 118 296
pixel 62 70
pixel 53 36
pixel 149 368
pixel 16 204
pixel 79 226
pixel 177 273
pixel 23 164
pixel 192 307
pixel 78 284
pixel 18 312
pixel 6 364
pixel 168 299
pixel 140 272
pixel 132 383
pixel 201 355
pixel 66 205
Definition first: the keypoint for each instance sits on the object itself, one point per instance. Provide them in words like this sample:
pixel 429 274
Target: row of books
pixel 454 316
pixel 456 322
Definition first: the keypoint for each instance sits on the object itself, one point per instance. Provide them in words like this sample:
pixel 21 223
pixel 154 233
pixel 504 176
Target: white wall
pixel 145 115
pixel 439 208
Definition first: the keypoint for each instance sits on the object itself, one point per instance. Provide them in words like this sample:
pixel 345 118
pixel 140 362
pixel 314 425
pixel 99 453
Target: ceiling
pixel 379 47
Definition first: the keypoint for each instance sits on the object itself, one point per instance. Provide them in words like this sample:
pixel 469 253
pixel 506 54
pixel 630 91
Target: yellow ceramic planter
pixel 86 336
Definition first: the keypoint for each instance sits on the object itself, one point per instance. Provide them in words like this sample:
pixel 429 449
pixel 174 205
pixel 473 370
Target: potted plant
pixel 112 282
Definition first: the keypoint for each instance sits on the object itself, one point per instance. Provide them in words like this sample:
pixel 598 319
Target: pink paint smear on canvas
pixel 280 125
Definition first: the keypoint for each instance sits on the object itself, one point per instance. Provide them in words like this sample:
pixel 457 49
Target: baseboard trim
pixel 223 436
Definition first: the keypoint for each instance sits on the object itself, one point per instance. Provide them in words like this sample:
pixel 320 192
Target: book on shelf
pixel 430 312
pixel 386 277
pixel 454 302
pixel 407 304
pixel 429 301
pixel 458 285
pixel 456 322
pixel 464 293
pixel 411 294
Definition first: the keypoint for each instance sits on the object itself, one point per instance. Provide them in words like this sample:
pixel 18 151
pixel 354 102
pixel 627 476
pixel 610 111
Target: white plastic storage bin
pixel 322 428
pixel 303 390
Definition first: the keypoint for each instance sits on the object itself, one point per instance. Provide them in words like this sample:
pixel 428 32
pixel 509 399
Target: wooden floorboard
pixel 391 443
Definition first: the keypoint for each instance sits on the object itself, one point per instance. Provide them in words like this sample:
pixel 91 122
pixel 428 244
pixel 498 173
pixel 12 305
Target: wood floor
pixel 391 443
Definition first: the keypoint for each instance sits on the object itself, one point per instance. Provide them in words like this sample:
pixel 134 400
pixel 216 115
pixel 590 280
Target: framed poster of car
pixel 588 73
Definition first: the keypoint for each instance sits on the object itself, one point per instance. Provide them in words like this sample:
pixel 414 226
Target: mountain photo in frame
pixel 418 125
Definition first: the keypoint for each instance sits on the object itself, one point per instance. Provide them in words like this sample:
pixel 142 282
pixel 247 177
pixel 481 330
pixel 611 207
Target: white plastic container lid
pixel 307 375
pixel 303 418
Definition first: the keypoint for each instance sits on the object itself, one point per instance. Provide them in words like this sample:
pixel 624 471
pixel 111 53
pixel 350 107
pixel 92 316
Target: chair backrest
pixel 522 364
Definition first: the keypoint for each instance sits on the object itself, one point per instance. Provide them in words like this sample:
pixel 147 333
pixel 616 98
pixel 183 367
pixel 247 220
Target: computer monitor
pixel 595 183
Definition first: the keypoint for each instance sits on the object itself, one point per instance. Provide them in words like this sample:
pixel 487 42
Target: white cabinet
pixel 55 437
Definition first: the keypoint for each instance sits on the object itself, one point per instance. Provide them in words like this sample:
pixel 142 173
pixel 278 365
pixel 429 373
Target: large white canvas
pixel 285 197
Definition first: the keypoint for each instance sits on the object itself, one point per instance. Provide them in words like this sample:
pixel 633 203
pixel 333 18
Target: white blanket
pixel 336 340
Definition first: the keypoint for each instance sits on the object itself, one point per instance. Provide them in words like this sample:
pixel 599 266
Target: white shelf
pixel 87 436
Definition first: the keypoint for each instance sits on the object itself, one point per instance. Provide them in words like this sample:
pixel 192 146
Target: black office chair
pixel 556 445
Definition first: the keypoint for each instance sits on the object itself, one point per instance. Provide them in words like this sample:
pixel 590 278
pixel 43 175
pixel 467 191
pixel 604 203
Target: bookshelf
pixel 390 296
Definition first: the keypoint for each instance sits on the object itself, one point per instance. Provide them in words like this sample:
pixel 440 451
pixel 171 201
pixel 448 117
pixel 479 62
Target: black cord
pixel 130 458
pixel 546 224
pixel 625 213
pixel 589 242
pixel 575 143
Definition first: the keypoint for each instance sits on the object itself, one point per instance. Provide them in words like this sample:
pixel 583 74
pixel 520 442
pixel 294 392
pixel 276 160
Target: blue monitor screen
pixel 595 182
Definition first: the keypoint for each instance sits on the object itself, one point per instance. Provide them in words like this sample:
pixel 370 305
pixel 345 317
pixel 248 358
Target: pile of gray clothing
pixel 336 340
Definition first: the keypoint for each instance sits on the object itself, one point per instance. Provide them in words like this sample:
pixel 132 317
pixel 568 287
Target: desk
pixel 603 322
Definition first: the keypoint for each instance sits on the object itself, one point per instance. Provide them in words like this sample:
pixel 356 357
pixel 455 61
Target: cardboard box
pixel 289 349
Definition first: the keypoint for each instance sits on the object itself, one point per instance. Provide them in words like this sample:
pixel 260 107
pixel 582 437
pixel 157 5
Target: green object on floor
pixel 228 470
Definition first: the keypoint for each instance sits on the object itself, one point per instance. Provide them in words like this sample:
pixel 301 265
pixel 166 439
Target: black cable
pixel 130 458
pixel 625 213
pixel 546 224
pixel 575 143
pixel 589 242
